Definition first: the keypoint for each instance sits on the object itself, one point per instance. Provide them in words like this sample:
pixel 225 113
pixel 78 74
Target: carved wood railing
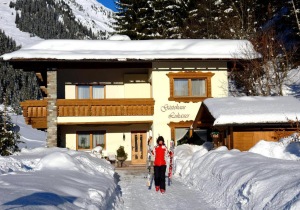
pixel 35 111
pixel 105 107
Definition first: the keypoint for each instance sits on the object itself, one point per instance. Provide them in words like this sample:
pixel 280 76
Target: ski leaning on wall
pixel 150 176
pixel 171 154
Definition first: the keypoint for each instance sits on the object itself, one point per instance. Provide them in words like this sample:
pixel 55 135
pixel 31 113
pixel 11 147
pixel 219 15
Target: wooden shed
pixel 240 122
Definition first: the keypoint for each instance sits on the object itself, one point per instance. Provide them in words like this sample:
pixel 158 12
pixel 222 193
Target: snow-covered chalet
pixel 123 92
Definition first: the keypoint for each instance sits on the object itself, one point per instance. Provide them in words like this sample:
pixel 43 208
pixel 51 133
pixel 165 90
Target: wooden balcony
pixel 35 111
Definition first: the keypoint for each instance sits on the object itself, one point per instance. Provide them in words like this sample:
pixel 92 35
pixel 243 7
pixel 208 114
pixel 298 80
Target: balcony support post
pixel 52 108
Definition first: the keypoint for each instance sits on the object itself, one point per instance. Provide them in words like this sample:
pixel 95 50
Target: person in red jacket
pixel 160 152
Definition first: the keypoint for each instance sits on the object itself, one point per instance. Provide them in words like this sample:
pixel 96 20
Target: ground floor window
pixel 180 133
pixel 90 139
pixel 180 130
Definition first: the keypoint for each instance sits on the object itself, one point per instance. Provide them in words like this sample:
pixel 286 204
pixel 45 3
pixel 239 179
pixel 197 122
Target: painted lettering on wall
pixel 176 111
pixel 168 107
pixel 178 115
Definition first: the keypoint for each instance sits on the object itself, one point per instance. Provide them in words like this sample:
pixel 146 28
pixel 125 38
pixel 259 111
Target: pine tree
pixel 9 138
pixel 126 18
pixel 143 19
pixel 135 19
pixel 169 16
pixel 221 19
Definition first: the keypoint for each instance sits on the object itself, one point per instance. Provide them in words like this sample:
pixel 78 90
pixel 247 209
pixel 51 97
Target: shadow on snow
pixel 40 199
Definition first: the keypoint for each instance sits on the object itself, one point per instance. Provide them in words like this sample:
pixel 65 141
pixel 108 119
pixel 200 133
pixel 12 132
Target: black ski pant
pixel 160 176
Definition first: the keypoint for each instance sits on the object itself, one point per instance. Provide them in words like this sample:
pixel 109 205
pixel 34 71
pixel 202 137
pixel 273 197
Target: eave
pixel 29 64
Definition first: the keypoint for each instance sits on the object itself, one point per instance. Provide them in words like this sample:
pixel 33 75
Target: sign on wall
pixel 176 111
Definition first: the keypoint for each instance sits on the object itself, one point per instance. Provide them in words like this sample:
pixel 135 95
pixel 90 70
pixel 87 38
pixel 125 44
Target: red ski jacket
pixel 160 152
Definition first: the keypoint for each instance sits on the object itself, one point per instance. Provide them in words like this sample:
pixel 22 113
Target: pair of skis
pixel 150 175
pixel 171 154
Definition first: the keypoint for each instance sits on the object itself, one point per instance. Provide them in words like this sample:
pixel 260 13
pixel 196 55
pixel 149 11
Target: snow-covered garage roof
pixel 133 49
pixel 252 110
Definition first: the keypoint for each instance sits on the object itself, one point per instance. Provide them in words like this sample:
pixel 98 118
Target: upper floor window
pixel 90 91
pixel 190 86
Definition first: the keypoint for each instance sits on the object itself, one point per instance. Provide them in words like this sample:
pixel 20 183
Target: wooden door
pixel 139 148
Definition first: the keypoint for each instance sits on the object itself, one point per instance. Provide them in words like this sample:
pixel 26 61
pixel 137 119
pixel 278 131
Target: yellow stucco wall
pixel 137 90
pixel 70 141
pixel 219 84
pixel 70 91
pixel 114 91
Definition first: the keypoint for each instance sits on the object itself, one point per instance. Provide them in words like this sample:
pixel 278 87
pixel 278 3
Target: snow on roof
pixel 133 49
pixel 257 109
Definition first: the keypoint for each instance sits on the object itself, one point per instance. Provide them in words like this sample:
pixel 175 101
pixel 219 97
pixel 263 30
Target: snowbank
pixel 56 178
pixel 285 149
pixel 244 180
pixel 184 153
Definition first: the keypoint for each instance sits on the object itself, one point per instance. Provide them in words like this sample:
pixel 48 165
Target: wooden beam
pixel 44 90
pixel 39 76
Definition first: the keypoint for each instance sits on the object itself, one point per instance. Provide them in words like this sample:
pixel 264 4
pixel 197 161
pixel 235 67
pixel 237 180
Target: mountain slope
pixel 87 13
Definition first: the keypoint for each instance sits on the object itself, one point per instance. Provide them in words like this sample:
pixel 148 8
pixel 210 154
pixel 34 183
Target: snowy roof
pixel 132 49
pixel 257 109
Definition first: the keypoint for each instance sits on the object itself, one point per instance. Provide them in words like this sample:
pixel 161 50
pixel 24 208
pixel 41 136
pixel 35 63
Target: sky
pixel 108 3
pixel 265 177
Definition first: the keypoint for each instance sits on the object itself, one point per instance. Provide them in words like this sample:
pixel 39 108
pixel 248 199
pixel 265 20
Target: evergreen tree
pixel 145 19
pixel 135 19
pixel 126 18
pixel 217 19
pixel 8 136
pixel 169 16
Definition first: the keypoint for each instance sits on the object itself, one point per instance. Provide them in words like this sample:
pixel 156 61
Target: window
pixel 89 140
pixel 90 91
pixel 180 133
pixel 180 130
pixel 190 86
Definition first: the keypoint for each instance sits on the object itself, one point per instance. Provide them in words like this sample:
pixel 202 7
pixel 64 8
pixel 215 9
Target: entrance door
pixel 139 148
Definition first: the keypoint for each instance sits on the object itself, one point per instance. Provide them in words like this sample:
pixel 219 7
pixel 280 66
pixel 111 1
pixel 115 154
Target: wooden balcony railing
pixel 35 111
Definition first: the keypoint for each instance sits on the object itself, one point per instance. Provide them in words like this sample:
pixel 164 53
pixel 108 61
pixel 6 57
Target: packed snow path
pixel 136 196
